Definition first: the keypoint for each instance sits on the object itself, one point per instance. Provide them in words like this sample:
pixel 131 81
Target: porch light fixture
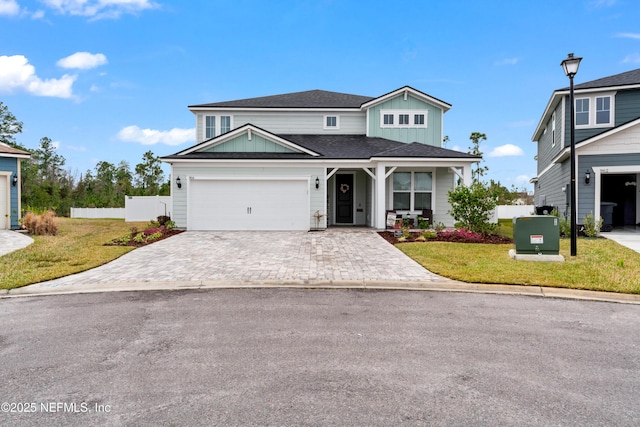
pixel 587 177
pixel 570 66
pixel 317 182
pixel 14 181
pixel 178 182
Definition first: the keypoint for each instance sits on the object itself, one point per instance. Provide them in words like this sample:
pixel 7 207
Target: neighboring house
pixel 10 186
pixel 312 159
pixel 607 135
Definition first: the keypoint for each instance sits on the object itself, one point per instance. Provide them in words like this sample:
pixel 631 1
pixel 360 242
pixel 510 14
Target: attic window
pixel 331 122
pixel 403 118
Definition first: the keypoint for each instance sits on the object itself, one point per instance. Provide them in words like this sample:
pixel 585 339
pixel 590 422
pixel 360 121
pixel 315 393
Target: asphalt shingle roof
pixel 623 79
pixel 340 147
pixel 306 99
pixel 7 149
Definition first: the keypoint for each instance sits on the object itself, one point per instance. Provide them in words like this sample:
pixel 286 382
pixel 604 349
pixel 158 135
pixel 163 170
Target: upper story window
pixel 211 123
pixel 595 111
pixel 553 129
pixel 331 122
pixel 403 118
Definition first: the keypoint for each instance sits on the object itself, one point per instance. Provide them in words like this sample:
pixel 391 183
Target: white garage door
pixel 248 204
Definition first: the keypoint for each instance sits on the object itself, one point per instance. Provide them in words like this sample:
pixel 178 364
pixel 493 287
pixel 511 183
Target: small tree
pixel 472 206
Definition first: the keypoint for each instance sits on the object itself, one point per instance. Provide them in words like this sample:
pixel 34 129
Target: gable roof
pixel 406 90
pixel 344 147
pixel 8 151
pixel 306 99
pixel 626 80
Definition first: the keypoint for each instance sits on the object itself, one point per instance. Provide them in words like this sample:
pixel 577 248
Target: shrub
pixel 461 235
pixel 591 227
pixel 472 207
pixel 41 225
pixel 429 234
pixel 565 224
pixel 163 219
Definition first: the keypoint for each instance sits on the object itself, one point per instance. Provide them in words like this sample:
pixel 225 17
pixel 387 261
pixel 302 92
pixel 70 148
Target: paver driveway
pixel 335 256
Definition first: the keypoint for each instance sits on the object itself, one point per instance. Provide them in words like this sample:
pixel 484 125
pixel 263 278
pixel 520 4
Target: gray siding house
pixel 315 159
pixel 607 135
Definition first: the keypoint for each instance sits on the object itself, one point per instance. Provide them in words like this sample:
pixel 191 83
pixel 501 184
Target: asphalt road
pixel 317 357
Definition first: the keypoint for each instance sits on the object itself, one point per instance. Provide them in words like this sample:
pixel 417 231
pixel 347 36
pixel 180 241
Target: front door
pixel 344 199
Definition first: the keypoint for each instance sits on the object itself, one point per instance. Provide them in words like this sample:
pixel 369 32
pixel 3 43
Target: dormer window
pixel 403 119
pixel 331 122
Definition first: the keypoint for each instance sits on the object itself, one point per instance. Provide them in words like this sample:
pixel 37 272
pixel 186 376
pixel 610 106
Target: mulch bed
pixel 132 242
pixel 494 239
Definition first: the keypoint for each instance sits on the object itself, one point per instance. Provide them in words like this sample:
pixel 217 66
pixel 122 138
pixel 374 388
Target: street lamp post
pixel 570 65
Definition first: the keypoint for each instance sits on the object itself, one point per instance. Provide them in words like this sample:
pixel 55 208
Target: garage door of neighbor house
pixel 248 204
pixel 4 205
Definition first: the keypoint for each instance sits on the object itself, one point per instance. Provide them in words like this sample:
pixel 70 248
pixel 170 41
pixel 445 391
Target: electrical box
pixel 537 234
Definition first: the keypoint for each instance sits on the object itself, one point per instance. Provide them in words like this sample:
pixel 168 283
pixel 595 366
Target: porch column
pixel 466 175
pixel 380 200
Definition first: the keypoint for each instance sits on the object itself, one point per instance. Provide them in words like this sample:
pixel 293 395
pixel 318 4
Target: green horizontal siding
pixel 242 144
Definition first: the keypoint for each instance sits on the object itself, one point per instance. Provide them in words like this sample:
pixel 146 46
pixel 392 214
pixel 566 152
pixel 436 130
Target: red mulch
pixel 494 239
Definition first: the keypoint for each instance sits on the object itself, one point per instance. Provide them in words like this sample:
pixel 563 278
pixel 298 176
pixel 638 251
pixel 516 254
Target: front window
pixel 403 118
pixel 603 110
pixel 225 124
pixel 210 127
pixel 582 111
pixel 331 122
pixel 412 190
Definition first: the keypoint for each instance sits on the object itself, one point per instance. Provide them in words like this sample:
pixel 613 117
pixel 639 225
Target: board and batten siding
pixel 308 123
pixel 242 144
pixel 316 196
pixel 10 164
pixel 431 135
pixel 444 181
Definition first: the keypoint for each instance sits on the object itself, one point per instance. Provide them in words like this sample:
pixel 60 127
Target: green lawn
pixel 601 264
pixel 78 246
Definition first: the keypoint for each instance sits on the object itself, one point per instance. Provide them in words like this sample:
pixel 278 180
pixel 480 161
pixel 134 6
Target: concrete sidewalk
pixel 11 241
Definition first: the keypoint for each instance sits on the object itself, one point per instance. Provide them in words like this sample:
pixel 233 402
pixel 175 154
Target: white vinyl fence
pixel 510 211
pixel 146 208
pixel 136 208
pixel 94 213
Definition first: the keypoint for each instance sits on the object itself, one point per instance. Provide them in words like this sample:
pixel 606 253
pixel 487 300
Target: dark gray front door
pixel 344 199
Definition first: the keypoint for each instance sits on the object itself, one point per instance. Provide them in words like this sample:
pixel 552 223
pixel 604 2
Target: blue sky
pixel 111 79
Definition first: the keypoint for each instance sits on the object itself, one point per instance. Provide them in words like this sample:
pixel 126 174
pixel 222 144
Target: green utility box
pixel 538 234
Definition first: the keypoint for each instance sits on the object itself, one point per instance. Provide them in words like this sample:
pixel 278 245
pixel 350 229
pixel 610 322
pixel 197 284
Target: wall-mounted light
pixel 587 177
pixel 317 182
pixel 14 181
pixel 178 182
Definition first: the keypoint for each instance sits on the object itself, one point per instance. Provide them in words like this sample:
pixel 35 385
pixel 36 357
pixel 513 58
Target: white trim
pixel 7 219
pixel 236 110
pixel 396 119
pixel 324 122
pixel 412 190
pixel 408 90
pixel 593 113
pixel 598 171
pixel 239 131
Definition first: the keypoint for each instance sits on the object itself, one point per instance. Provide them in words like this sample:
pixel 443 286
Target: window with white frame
pixel 210 127
pixel 216 125
pixel 403 118
pixel 595 111
pixel 331 122
pixel 412 191
pixel 553 129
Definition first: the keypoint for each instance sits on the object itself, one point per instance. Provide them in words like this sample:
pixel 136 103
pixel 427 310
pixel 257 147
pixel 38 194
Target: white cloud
pixel 38 14
pixel 522 179
pixel 635 36
pixel 17 74
pixel 9 7
pixel 174 136
pixel 82 60
pixel 633 58
pixel 506 150
pixel 76 148
pixel 507 61
pixel 98 9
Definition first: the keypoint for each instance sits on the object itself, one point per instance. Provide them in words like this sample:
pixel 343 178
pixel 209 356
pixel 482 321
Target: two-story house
pixel 313 159
pixel 607 135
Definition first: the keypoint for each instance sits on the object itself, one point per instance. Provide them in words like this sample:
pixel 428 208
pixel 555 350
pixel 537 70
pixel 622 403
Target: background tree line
pixel 46 184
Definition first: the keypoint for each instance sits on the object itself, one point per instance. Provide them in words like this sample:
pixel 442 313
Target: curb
pixel 430 286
